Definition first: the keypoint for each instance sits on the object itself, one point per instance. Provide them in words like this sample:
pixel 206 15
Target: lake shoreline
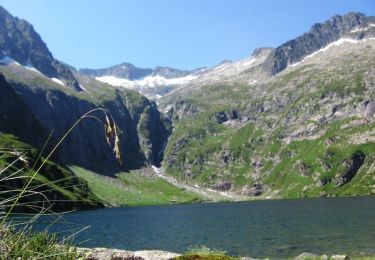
pixel 252 199
pixel 110 253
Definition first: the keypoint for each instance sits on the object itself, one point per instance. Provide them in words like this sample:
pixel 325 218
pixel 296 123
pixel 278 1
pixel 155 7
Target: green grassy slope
pixel 64 190
pixel 301 133
pixel 134 188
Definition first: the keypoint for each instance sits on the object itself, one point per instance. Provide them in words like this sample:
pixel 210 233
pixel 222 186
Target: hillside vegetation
pixel 306 132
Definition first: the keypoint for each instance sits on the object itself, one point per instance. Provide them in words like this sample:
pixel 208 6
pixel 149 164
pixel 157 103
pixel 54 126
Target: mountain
pixel 16 119
pixel 352 25
pixel 19 40
pixel 153 83
pixel 294 121
pixel 122 71
pixel 52 96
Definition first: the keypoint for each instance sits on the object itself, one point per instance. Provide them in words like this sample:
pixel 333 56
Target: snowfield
pixel 149 81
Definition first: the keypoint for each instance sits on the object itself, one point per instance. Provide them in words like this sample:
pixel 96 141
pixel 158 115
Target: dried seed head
pixel 116 146
pixel 112 135
pixel 108 131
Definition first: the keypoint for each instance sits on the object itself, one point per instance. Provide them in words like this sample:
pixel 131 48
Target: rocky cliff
pixel 19 40
pixel 18 126
pixel 351 25
pixel 57 96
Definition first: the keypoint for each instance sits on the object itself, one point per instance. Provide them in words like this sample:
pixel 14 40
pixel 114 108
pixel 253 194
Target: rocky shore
pixel 117 254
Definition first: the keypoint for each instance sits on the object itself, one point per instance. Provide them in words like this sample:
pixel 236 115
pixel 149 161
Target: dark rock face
pixel 256 190
pixel 19 41
pixel 17 119
pixel 23 123
pixel 357 160
pixel 368 108
pixel 86 146
pixel 223 186
pixel 319 36
pixel 144 130
pixel 222 117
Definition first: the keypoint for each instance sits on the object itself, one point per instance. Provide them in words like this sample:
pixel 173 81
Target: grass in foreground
pixel 25 244
pixel 134 188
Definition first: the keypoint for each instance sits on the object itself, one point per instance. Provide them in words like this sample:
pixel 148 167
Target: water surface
pixel 279 228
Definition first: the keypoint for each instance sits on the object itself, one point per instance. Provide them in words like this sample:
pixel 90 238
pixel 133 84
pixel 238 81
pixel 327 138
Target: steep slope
pixel 58 96
pixel 19 41
pixel 64 190
pixel 352 25
pixel 306 131
pixel 22 124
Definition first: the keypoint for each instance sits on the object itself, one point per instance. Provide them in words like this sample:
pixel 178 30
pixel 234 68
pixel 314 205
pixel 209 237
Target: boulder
pixel 117 254
pixel 306 255
pixel 223 186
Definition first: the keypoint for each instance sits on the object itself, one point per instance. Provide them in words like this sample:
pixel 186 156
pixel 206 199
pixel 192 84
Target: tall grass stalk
pixel 24 243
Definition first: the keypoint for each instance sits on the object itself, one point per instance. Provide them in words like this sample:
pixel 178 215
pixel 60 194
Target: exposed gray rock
pixel 180 109
pixel 123 70
pixel 155 255
pixel 320 35
pixel 21 42
pixel 117 254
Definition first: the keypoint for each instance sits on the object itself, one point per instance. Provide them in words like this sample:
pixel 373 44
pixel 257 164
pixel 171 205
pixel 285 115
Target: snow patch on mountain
pixel 363 29
pixel 58 81
pixel 326 48
pixel 149 81
pixel 115 81
pixel 83 88
pixel 30 67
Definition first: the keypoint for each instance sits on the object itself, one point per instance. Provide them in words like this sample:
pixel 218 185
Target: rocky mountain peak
pixel 20 42
pixel 261 51
pixel 123 70
pixel 348 21
pixel 168 72
pixel 351 25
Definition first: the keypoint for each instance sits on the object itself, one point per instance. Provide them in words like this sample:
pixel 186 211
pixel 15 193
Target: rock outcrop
pixel 320 35
pixel 21 42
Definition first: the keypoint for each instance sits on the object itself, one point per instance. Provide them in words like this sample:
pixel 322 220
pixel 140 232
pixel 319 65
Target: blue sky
pixel 185 34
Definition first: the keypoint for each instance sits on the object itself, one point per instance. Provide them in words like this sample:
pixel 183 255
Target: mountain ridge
pixel 273 124
pixel 58 95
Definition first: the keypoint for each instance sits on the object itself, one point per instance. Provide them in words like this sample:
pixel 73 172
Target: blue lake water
pixel 278 228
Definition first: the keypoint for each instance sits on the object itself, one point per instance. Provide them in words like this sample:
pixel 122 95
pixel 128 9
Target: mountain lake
pixel 272 228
